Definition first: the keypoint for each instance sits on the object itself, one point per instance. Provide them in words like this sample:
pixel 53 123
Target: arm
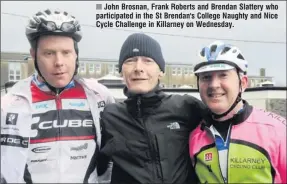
pixel 103 159
pixel 104 167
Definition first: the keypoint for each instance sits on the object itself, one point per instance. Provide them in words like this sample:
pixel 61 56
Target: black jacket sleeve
pixel 197 111
pixel 102 159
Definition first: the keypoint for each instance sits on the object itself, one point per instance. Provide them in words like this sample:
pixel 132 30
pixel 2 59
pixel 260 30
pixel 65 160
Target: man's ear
pixel 32 53
pixel 161 74
pixel 244 82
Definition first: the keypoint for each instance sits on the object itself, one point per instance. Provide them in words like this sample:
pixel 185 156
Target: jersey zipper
pixel 209 131
pixel 228 142
pixel 58 105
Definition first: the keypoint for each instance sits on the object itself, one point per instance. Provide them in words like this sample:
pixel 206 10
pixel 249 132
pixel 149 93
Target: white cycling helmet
pixel 50 22
pixel 220 56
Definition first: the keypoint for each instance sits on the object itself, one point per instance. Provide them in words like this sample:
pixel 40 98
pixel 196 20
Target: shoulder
pixel 189 107
pixel 20 85
pixel 114 109
pixel 113 114
pixel 98 89
pixel 6 100
pixel 95 85
pixel 183 99
pixel 13 104
pixel 271 125
pixel 10 99
pixel 270 120
pixel 186 101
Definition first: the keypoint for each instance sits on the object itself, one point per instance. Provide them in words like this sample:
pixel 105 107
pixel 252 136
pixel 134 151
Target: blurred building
pixel 261 79
pixel 16 66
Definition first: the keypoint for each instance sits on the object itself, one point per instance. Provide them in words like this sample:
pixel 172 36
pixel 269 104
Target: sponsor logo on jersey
pixel 101 104
pixel 42 149
pixel 44 125
pixel 76 104
pixel 40 106
pixel 10 128
pixel 208 156
pixel 79 148
pixel 44 106
pixel 40 160
pixel 11 118
pixel 78 157
pixel 62 125
pixel 14 140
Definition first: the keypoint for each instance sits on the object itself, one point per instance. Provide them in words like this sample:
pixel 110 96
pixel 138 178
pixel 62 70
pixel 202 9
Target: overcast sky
pixel 106 43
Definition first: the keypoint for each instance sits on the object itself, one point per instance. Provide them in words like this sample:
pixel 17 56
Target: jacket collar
pixel 43 86
pixel 142 104
pixel 22 87
pixel 238 118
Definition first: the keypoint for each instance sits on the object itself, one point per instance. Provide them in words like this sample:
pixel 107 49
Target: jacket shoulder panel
pixel 99 89
pixel 267 118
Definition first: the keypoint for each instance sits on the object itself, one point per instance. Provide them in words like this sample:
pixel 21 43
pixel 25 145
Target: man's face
pixel 219 89
pixel 56 58
pixel 141 74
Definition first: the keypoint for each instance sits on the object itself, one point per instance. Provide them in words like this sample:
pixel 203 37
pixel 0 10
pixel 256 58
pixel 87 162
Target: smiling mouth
pixel 215 95
pixel 138 79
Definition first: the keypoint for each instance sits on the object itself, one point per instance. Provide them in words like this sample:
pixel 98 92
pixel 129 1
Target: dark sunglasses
pixel 51 26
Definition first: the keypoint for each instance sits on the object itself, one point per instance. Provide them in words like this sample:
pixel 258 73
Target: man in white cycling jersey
pixel 50 129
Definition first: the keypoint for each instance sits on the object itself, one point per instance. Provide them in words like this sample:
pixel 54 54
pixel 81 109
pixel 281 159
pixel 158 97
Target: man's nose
pixel 59 60
pixel 139 65
pixel 214 81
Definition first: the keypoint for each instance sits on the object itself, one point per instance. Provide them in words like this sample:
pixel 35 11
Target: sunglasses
pixel 67 27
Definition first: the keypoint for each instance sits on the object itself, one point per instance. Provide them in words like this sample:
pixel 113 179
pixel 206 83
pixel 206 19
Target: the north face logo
pixel 174 125
pixel 11 118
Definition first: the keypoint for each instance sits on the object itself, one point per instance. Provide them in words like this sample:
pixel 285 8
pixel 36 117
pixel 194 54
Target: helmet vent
pixel 202 53
pixel 48 12
pixel 240 57
pixel 226 49
pixel 213 48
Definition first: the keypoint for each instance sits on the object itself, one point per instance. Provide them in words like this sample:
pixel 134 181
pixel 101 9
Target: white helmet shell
pixel 220 56
pixel 50 22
